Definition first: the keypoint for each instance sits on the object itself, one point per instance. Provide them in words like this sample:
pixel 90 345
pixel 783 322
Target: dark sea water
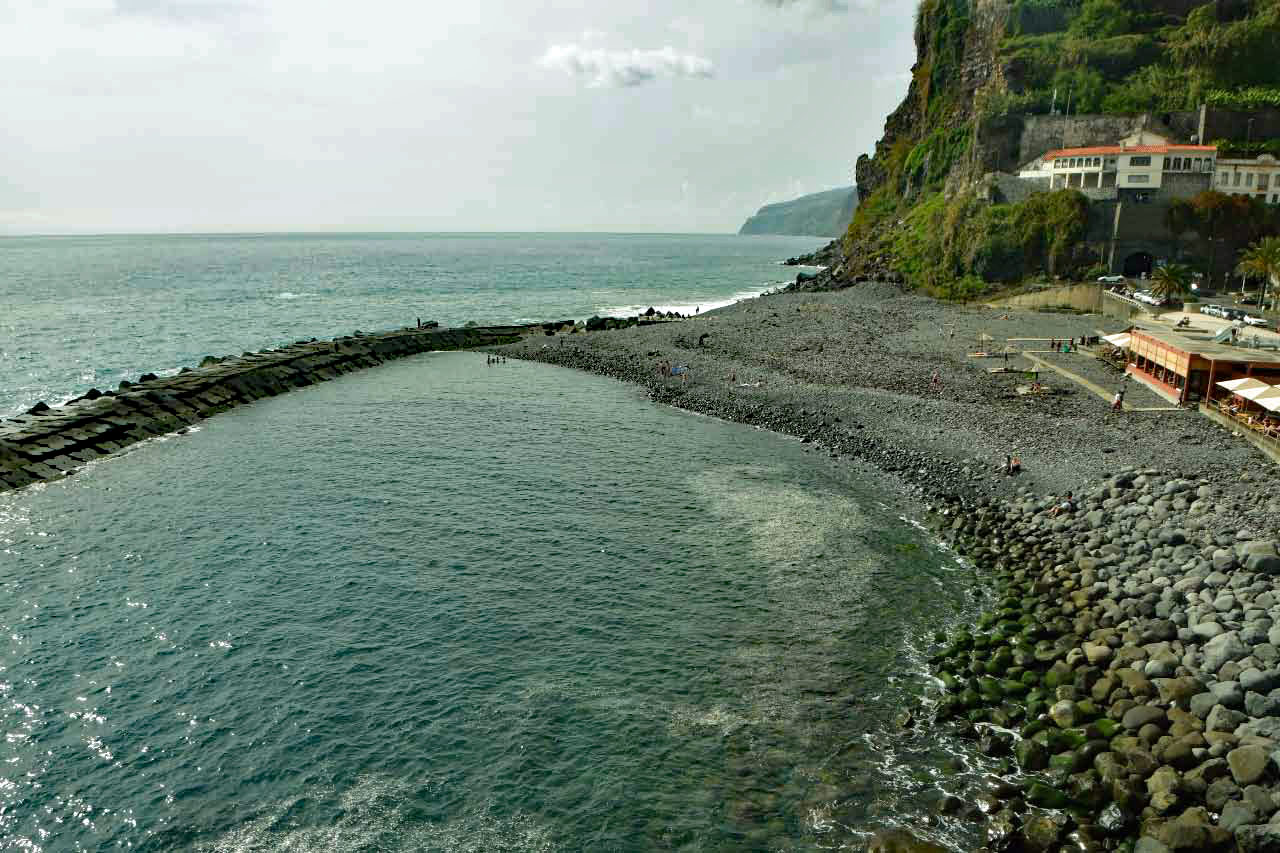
pixel 84 312
pixel 440 606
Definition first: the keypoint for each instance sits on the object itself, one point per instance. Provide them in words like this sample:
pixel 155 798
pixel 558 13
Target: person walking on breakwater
pixel 1117 402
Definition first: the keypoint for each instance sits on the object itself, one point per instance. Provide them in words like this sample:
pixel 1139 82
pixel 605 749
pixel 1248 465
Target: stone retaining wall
pixel 49 443
pixel 1082 297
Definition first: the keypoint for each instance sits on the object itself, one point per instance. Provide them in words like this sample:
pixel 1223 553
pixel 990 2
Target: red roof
pixel 1131 149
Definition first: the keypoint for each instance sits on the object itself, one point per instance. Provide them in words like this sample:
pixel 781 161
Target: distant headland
pixel 824 214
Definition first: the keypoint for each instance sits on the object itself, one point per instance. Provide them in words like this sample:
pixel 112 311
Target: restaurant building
pixel 1183 367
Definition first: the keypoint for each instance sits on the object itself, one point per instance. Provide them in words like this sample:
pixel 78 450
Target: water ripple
pixel 424 609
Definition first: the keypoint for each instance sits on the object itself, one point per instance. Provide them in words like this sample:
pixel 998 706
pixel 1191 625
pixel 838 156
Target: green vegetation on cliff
pixel 982 65
pixel 824 214
pixel 954 248
pixel 1120 56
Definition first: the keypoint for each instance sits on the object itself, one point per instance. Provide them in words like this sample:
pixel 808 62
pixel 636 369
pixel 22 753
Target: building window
pixel 1139 179
pixel 1248 179
pixel 1139 161
pixel 1264 181
pixel 1177 164
pixel 1097 161
pixel 1222 179
pixel 1235 179
pixel 1199 164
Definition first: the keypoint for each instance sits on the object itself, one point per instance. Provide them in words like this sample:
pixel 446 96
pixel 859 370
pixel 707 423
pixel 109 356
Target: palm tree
pixel 1262 259
pixel 1170 281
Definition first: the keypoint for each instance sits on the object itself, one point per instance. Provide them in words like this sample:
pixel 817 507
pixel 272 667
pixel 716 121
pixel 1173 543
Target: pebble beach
pixel 1126 670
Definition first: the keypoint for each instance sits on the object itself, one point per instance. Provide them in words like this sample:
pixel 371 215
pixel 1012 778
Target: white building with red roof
pixel 1142 161
pixel 1258 177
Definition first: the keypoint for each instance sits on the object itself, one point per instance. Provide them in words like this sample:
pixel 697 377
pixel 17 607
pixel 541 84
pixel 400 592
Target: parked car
pixel 1211 310
pixel 1111 279
pixel 1248 299
pixel 1233 313
pixel 1251 320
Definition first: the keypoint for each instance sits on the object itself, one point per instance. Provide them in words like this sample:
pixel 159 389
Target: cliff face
pixel 825 214
pixel 956 57
pixel 990 83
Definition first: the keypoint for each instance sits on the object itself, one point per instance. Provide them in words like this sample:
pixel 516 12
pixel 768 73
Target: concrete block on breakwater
pixel 49 443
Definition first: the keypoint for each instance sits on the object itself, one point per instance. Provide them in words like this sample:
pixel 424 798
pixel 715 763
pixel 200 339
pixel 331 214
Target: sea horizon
pixel 338 232
pixel 90 311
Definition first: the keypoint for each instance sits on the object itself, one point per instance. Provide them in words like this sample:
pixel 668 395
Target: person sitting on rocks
pixel 1067 504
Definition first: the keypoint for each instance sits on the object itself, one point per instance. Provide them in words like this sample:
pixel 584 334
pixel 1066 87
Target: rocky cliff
pixel 989 73
pixel 824 214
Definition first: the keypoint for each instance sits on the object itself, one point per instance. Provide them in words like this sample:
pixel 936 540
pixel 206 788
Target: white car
pixel 1111 279
pixel 1209 309
pixel 1251 320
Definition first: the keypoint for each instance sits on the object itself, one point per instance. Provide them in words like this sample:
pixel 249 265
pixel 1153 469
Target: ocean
pixel 445 606
pixel 84 312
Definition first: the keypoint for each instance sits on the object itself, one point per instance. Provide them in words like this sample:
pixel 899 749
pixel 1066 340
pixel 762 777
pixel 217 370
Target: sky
pixel 481 115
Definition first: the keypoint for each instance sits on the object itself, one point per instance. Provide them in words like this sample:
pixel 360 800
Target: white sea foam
pixel 288 294
pixel 686 307
pixel 372 815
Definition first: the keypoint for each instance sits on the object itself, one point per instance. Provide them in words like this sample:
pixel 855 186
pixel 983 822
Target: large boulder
pixel 1260 556
pixel 1222 649
pixel 1258 838
pixel 1248 763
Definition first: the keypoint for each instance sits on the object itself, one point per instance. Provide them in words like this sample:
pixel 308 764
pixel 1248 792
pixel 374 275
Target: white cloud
pixel 820 5
pixel 624 67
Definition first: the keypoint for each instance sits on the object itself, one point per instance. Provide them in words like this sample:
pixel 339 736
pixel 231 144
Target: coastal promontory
pixel 824 214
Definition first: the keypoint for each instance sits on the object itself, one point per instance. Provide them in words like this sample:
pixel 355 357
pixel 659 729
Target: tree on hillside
pixel 1171 281
pixel 1099 19
pixel 1262 259
pixel 1215 214
pixel 1179 218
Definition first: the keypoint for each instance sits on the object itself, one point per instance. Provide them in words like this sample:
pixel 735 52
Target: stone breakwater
pixel 50 443
pixel 1128 671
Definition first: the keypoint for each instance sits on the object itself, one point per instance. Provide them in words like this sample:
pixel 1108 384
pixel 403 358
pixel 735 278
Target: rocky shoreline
pixel 1126 678
pixel 1128 673
pixel 1129 668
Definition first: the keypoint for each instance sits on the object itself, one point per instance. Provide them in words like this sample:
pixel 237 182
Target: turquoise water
pixel 444 606
pixel 84 312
